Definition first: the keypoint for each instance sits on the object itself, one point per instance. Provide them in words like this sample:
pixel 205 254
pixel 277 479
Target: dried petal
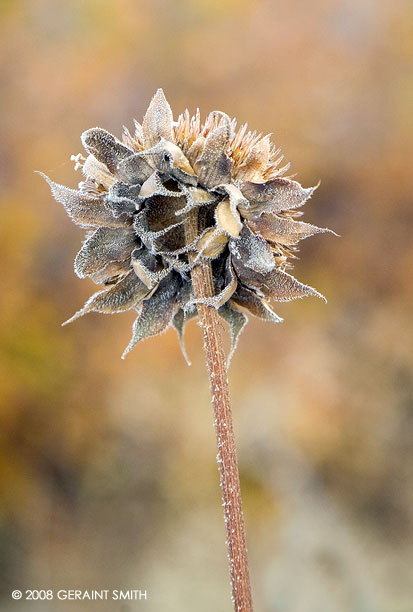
pixel 157 122
pixel 228 219
pixel 105 147
pixel 94 169
pixel 212 243
pixel 236 320
pixel 273 196
pixel 257 159
pixel 83 209
pixel 196 196
pixel 154 185
pixel 175 159
pixel 282 229
pixel 253 251
pixel 157 312
pixel 104 246
pixel 123 296
pixel 196 149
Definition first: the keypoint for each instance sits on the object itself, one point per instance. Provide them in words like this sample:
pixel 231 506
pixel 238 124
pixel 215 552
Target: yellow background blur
pixel 108 475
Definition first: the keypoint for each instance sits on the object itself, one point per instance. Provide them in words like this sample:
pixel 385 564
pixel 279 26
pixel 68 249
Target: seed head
pixel 139 196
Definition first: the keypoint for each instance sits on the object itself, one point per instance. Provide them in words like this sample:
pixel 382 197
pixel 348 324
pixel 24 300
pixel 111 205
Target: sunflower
pixel 180 194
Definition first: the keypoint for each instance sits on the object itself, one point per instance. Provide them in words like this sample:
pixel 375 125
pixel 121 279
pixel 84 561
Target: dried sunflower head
pixel 138 197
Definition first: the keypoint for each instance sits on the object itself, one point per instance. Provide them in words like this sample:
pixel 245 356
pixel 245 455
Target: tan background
pixel 108 476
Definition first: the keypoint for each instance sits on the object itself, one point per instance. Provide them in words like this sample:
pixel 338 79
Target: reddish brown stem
pixel 227 457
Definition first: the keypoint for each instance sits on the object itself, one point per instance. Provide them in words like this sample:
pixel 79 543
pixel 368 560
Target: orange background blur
pixel 108 476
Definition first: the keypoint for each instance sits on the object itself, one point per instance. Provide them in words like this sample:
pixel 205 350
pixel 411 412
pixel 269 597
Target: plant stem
pixel 227 457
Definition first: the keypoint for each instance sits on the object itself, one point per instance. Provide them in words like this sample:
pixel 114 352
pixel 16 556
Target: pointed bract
pixel 179 322
pixel 157 122
pixel 126 294
pixel 256 306
pixel 283 287
pixel 83 209
pixel 253 251
pixel 156 314
pixel 236 320
pixel 284 230
pixel 273 196
pixel 104 246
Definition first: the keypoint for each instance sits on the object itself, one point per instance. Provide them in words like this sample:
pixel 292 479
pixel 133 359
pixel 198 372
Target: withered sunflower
pixel 137 200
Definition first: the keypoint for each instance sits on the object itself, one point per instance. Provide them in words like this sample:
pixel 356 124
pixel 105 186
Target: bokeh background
pixel 107 468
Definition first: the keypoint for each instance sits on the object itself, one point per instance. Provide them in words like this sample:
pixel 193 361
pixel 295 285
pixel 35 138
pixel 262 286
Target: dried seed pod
pixel 136 202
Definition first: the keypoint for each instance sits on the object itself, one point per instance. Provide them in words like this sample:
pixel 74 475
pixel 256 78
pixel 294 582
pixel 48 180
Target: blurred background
pixel 107 468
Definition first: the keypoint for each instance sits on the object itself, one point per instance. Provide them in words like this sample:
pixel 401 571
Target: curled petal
pixel 82 208
pixel 174 159
pixel 228 219
pixel 257 159
pixel 169 159
pixel 123 200
pixel 155 185
pixel 157 122
pixel 252 251
pixel 126 294
pixel 283 230
pixel 196 197
pixel 211 243
pixel 255 305
pixel 105 147
pixel 157 312
pixel 106 245
pixel 236 320
pixel 168 238
pixel 172 241
pixel 273 196
pixel 94 169
pixel 148 267
pixel 160 224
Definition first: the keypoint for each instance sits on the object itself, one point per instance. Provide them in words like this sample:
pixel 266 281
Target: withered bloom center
pixel 138 196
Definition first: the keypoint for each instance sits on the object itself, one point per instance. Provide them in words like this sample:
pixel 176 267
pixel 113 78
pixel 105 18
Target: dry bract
pixel 135 202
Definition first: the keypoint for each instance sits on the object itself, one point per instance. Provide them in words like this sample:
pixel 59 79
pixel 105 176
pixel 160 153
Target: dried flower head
pixel 175 195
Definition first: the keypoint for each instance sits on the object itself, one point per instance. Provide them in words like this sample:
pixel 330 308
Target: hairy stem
pixel 227 457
